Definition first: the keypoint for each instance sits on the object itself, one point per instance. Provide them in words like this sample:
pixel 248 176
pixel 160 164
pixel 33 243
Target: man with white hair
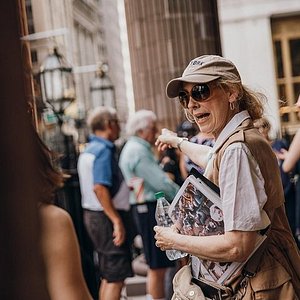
pixel 142 172
pixel 105 202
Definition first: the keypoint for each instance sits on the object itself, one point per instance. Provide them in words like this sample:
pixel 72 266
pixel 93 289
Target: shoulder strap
pixel 251 265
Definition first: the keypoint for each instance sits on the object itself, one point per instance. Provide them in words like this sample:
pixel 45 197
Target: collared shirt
pixel 98 165
pixel 241 183
pixel 139 165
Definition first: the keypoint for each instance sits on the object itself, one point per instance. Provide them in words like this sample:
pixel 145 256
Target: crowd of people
pixel 227 138
pixel 289 176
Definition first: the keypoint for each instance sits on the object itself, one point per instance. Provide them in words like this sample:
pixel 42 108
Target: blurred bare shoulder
pixel 60 250
pixel 54 216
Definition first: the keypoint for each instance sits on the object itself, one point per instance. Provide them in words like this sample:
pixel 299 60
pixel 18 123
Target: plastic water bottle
pixel 163 219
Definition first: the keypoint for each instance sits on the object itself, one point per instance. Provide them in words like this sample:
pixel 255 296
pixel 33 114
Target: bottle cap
pixel 159 195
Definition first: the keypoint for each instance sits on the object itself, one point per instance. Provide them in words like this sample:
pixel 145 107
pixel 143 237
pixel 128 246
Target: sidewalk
pixel 135 288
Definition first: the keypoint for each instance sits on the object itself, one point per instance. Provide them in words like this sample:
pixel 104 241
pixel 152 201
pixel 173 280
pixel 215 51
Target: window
pixel 29 14
pixel 34 56
pixel 286 44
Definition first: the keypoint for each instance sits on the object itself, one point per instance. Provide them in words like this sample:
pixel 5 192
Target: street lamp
pixel 58 92
pixel 57 83
pixel 101 88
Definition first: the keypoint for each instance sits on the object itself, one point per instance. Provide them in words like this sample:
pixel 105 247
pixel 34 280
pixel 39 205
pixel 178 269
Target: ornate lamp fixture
pixel 101 88
pixel 57 82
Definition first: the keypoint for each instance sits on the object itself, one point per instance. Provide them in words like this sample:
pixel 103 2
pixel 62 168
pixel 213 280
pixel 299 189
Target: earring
pixel 232 105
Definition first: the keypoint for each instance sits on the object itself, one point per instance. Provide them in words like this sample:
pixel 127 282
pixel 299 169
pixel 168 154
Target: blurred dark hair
pixel 49 177
pixel 186 129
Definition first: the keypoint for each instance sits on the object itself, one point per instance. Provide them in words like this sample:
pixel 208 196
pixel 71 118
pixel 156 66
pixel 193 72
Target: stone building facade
pixel 263 38
pixel 164 35
pixel 85 32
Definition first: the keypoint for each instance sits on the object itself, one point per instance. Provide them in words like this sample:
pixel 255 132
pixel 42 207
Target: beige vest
pixel 280 264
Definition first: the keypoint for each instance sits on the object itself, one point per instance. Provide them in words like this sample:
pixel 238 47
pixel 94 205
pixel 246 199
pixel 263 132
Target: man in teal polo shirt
pixel 143 174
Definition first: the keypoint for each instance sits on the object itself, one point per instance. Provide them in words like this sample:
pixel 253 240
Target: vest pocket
pixel 183 288
pixel 272 283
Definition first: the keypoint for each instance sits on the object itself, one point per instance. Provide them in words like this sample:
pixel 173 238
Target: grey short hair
pixel 98 117
pixel 139 121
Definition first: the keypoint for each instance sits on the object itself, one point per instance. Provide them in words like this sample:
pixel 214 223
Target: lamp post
pixel 101 88
pixel 57 82
pixel 58 92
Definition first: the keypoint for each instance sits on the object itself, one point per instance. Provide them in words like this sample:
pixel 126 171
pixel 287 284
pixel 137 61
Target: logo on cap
pixel 196 62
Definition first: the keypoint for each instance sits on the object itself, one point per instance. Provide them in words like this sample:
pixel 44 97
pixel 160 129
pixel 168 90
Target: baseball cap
pixel 204 69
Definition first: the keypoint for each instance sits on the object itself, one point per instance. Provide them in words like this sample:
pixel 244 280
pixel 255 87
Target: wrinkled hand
pixel 165 237
pixel 119 233
pixel 167 139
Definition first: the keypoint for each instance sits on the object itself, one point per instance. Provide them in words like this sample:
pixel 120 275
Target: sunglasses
pixel 199 92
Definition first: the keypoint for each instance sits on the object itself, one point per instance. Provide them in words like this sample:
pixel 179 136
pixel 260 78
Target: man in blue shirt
pixel 105 200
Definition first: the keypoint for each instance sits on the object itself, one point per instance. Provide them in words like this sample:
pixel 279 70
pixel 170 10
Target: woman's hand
pixel 165 237
pixel 167 139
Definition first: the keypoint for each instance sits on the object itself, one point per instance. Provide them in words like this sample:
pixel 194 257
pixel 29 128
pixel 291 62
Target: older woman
pixel 245 168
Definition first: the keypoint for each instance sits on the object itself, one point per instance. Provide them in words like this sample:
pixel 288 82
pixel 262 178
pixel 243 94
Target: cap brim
pixel 174 86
